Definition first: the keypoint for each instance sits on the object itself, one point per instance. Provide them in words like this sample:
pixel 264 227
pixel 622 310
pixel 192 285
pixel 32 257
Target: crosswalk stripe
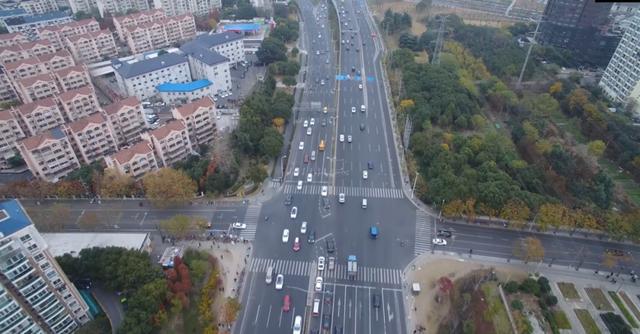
pixel 315 189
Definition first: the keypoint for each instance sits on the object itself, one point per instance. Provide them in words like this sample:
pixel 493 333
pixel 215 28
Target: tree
pixel 257 173
pixel 289 80
pixel 555 88
pixel 408 41
pixel 168 186
pixel 114 184
pixel 515 211
pixel 271 50
pixel 180 225
pixel 551 215
pixel 271 143
pixel 596 148
pixel 231 309
pixel 528 249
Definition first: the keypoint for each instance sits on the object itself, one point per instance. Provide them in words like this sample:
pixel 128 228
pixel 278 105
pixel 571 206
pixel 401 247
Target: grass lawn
pixel 630 304
pixel 616 299
pixel 568 290
pixel 561 319
pixel 587 321
pixel 623 178
pixel 598 299
pixel 496 308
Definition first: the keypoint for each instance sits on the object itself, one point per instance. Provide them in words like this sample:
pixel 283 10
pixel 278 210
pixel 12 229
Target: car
pixel 363 108
pixel 285 235
pixel 322 82
pixel 309 177
pixel 370 164
pixel 331 246
pixel 375 300
pixel 303 228
pixel 321 263
pixel 324 191
pixel 239 226
pixel 294 212
pixel 341 198
pixel 286 303
pixel 349 138
pixel 318 286
pixel 317 52
pixel 332 263
pixel 444 234
pixel 296 244
pixel 362 127
pixel 353 68
pixel 299 186
pixel 312 122
pixel 309 131
pixel 326 61
pixel 360 86
pixel 439 242
pixel 341 138
pixel 288 200
pixel 297 325
pixel 311 237
pixel 357 49
pixel 279 281
pixel 305 123
pixel 325 110
pixel 301 146
pixel 353 109
pixel 365 174
pixel 326 321
pixel 296 171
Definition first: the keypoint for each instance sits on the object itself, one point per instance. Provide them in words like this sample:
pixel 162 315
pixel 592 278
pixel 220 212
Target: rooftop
pixel 211 40
pixel 28 108
pixel 73 243
pixel 125 155
pixel 13 12
pixel 190 108
pixel 37 140
pixel 113 108
pixel 72 93
pixel 241 27
pixel 170 87
pixel 134 69
pixel 82 123
pixel 13 218
pixel 169 127
pixel 15 21
pixel 200 50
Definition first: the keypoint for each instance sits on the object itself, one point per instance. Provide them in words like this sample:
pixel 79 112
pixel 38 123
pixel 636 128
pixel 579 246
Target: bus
pixel 321 146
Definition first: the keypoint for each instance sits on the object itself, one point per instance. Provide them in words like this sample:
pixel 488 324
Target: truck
pixel 352 266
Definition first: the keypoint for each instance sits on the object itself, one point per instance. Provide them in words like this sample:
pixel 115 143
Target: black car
pixel 376 300
pixel 370 164
pixel 444 234
pixel 353 68
pixel 331 246
pixel 326 321
pixel 288 200
pixel 311 237
pixel 362 126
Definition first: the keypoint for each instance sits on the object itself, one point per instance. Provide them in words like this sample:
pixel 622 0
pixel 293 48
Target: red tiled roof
pixel 113 108
pixel 37 140
pixel 49 56
pixel 28 82
pixel 18 63
pixel 190 108
pixel 6 115
pixel 31 45
pixel 125 155
pixel 68 70
pixel 9 36
pixel 72 24
pixel 81 124
pixel 165 130
pixel 89 35
pixel 28 108
pixel 13 48
pixel 71 94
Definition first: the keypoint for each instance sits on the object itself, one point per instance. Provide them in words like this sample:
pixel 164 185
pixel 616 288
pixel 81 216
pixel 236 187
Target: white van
pixel 364 203
pixel 313 155
pixel 269 277
pixel 316 307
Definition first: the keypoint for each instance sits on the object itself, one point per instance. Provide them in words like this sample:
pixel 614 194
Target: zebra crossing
pixel 251 219
pixel 423 233
pixel 307 268
pixel 315 189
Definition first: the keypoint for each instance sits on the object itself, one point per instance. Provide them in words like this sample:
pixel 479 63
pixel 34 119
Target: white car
pixel 299 186
pixel 322 82
pixel 321 263
pixel 239 226
pixel 309 177
pixel 341 198
pixel 439 242
pixel 349 138
pixel 297 325
pixel 303 228
pixel 342 138
pixel 324 191
pixel 363 108
pixel 294 212
pixel 365 174
pixel 353 109
pixel 301 146
pixel 285 235
pixel 312 122
pixel 325 110
pixel 279 281
pixel 308 131
pixel 317 52
pixel 318 284
pixel 360 86
pixel 296 171
pixel 305 124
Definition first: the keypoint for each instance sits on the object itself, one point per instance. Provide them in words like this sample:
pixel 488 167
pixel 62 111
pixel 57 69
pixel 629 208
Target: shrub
pixel 511 287
pixel 530 286
pixel 544 284
pixel 550 300
pixel 517 305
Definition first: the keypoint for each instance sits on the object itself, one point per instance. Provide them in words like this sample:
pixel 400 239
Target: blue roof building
pixel 177 93
pixel 170 87
pixel 12 217
pixel 28 24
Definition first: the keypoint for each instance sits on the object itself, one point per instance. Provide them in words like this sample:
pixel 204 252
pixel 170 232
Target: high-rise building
pixel 580 26
pixel 35 294
pixel 120 6
pixel 195 7
pixel 620 81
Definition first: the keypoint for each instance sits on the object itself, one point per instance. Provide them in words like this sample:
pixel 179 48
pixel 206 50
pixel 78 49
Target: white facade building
pixel 140 78
pixel 195 7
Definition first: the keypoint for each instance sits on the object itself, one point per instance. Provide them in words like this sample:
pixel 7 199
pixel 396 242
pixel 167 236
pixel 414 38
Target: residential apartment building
pixel 206 63
pixel 127 120
pixel 39 116
pixel 72 77
pixel 7 92
pixel 140 78
pixel 29 25
pixel 621 79
pixel 35 294
pixel 10 133
pixel 27 50
pixel 136 160
pixel 160 33
pixel 85 6
pixel 34 7
pixel 228 44
pixel 37 87
pixel 49 155
pixel 91 137
pixel 92 46
pixel 12 39
pixel 170 142
pixel 120 6
pixel 45 63
pixel 58 34
pixel 121 22
pixel 195 7
pixel 181 93
pixel 78 103
pixel 199 117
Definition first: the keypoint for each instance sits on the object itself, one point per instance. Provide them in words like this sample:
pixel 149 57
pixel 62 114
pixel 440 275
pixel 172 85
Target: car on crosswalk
pixel 332 263
pixel 341 198
pixel 353 109
pixel 309 177
pixel 321 263
pixel 324 191
pixel 239 226
pixel 349 138
pixel 299 185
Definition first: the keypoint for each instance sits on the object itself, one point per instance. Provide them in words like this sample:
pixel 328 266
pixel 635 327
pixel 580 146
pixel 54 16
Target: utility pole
pixel 439 41
pixel 526 58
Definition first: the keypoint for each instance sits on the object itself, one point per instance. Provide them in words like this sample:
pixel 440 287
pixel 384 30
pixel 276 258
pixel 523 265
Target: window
pixel 25 238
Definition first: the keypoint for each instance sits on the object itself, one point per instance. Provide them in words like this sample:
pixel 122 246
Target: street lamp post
pixel 413 189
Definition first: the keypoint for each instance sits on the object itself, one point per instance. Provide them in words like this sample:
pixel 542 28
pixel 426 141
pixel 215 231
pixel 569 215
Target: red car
pixel 286 303
pixel 296 244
